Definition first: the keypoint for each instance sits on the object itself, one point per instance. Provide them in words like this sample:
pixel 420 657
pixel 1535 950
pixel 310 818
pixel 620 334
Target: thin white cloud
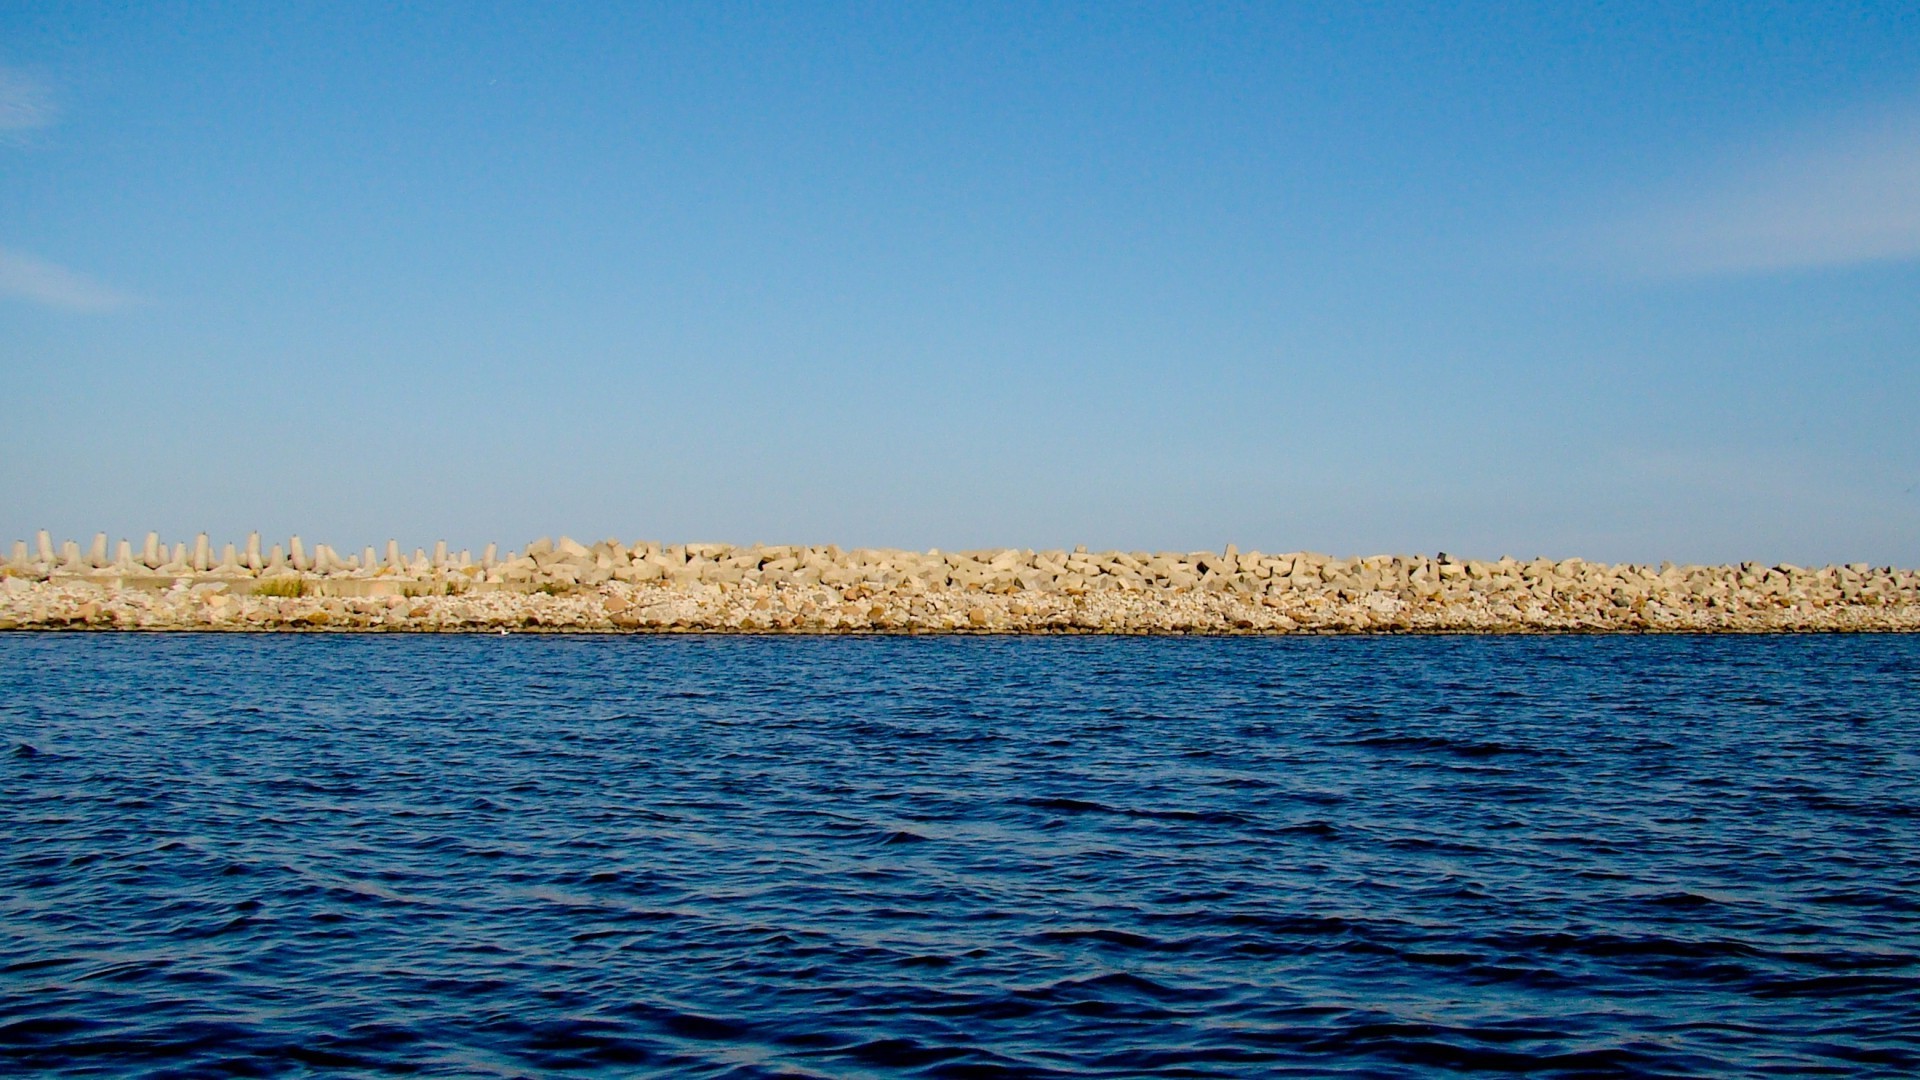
pixel 42 282
pixel 1841 197
pixel 25 102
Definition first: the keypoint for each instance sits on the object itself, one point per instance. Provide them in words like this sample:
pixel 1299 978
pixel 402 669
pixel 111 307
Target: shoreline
pixel 612 587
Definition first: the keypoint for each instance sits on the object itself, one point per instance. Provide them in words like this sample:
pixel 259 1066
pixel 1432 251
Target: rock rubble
pixel 613 586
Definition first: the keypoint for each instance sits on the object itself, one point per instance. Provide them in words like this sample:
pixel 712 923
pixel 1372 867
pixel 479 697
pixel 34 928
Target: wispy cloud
pixel 42 282
pixel 25 102
pixel 1839 197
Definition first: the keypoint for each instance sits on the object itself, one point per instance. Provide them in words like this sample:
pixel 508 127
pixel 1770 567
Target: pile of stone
pixel 645 586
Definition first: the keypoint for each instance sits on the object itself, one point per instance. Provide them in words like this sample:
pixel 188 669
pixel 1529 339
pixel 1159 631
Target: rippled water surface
pixel 753 857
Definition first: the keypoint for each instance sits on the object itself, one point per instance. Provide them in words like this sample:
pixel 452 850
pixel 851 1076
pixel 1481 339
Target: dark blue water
pixel 260 855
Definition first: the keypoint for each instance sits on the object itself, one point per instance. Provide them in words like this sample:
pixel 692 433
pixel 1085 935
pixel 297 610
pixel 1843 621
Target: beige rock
pixel 758 588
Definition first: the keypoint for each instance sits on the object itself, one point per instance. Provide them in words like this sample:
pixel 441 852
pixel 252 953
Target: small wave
pixel 1116 984
pixel 1119 938
pixel 38 1030
pixel 1479 1049
pixel 1868 898
pixel 904 1053
pixel 1683 900
pixel 688 1025
pixel 1318 828
pixel 1862 808
pixel 925 961
pixel 1068 806
pixel 1425 743
pixel 1888 987
pixel 1084 806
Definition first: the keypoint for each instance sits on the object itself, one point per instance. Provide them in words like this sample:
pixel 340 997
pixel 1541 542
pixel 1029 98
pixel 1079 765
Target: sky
pixel 1633 282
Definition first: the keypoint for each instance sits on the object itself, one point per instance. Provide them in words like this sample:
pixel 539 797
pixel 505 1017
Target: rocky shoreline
pixel 613 587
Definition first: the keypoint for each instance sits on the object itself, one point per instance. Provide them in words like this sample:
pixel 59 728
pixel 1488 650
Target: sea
pixel 738 856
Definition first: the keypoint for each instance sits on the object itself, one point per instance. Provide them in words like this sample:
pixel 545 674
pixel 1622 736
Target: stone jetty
pixel 612 586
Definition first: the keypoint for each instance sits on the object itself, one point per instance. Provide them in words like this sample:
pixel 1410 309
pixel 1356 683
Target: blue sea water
pixel 959 857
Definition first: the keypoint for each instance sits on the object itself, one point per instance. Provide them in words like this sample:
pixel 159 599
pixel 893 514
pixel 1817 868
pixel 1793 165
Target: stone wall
pixel 615 586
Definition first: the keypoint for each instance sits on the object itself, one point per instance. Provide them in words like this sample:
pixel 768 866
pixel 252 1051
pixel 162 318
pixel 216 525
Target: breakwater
pixel 613 586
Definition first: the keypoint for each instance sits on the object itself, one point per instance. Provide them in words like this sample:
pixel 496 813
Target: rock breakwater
pixel 612 586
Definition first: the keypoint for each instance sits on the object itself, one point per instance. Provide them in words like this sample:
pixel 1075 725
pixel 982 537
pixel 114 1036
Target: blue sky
pixel 1621 281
